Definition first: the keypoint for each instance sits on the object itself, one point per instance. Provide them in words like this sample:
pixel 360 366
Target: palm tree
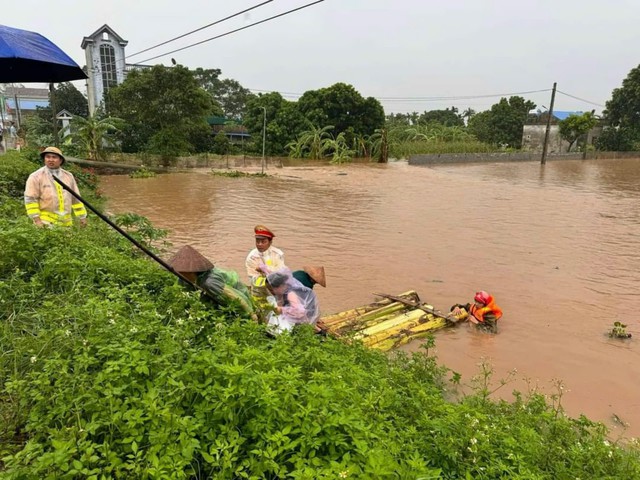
pixel 93 134
pixel 467 114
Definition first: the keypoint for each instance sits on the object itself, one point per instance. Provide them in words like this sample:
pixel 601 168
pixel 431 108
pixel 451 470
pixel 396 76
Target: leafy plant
pixel 142 173
pixel 619 330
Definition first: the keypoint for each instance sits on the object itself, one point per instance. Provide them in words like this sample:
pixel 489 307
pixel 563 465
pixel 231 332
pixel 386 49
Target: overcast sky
pixel 398 51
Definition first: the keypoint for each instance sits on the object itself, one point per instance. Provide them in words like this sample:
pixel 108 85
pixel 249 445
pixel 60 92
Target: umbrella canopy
pixel 29 57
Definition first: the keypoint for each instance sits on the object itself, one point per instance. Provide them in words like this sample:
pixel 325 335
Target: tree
pixel 502 125
pixel 228 93
pixel 284 122
pixel 65 97
pixel 93 134
pixel 575 126
pixel 343 107
pixel 159 100
pixel 623 114
pixel 447 117
pixel 468 114
pixel 221 144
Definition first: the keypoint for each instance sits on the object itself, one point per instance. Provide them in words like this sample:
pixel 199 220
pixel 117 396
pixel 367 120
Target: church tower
pixel 104 52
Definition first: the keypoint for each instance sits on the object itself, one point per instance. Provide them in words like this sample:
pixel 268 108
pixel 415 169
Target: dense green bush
pixel 109 369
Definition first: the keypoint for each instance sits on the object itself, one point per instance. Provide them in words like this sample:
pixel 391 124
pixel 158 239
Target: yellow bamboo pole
pixel 411 316
pixel 405 336
pixel 328 320
pixel 371 318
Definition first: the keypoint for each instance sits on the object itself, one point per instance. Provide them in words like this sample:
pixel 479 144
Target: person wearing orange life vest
pixel 47 203
pixel 484 312
pixel 263 260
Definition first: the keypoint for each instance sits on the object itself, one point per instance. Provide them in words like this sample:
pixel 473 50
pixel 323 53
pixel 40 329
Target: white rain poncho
pixel 299 304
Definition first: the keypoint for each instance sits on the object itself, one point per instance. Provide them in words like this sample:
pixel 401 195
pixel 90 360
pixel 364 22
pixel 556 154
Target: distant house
pixel 20 102
pixel 235 131
pixel 533 132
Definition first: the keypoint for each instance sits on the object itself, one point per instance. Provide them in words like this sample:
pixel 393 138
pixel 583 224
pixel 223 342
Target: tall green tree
pixel 284 122
pixel 622 114
pixel 342 106
pixel 575 126
pixel 227 92
pixel 449 117
pixel 502 124
pixel 162 102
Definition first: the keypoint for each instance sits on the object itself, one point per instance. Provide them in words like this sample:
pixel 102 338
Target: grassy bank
pixel 108 369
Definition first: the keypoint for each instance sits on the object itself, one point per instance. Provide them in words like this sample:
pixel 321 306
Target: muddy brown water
pixel 558 246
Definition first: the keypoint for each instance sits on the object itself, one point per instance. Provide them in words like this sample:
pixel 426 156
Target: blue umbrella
pixel 29 57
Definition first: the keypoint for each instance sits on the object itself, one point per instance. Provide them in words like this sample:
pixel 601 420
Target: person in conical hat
pixel 263 260
pixel 309 276
pixel 222 286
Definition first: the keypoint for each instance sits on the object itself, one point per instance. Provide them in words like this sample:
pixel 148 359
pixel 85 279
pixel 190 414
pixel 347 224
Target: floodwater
pixel 557 245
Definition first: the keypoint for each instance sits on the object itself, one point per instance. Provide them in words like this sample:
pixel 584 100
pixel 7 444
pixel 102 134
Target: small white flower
pixel 606 443
pixel 67 333
pixel 112 321
pixel 179 321
pixel 34 359
pixel 186 343
pixel 133 330
pixel 473 441
pixel 344 474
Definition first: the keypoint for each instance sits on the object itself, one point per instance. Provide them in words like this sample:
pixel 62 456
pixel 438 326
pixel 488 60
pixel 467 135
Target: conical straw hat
pixel 188 259
pixel 317 274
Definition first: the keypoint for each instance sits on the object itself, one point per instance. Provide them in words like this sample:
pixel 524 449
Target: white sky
pixel 384 48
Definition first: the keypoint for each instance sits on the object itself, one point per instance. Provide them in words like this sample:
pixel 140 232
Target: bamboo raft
pixel 387 323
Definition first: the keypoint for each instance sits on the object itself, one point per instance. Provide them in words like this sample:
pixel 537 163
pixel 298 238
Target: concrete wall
pixel 533 139
pixel 432 159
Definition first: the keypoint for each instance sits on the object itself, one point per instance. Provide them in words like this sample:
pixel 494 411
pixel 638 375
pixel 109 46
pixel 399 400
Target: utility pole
pixel 264 135
pixel 546 133
pixel 52 104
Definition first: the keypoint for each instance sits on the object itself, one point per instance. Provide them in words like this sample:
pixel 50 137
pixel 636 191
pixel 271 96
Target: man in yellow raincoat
pixel 47 203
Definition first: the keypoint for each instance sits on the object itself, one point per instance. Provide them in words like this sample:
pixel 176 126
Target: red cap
pixel 262 231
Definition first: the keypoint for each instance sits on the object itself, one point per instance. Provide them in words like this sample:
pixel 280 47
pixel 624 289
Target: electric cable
pixel 581 99
pixel 198 29
pixel 234 31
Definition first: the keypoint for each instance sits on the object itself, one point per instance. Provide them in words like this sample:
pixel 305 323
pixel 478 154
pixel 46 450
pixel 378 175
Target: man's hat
pixel 188 259
pixel 262 231
pixel 54 150
pixel 317 274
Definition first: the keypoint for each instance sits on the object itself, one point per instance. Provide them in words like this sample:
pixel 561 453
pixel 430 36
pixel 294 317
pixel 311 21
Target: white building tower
pixel 104 51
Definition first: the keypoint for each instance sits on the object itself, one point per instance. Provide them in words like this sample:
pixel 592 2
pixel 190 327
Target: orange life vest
pixel 489 308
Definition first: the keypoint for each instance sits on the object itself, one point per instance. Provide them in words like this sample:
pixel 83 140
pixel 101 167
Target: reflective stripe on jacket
pixel 45 198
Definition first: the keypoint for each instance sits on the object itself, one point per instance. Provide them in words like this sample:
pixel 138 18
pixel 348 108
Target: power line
pixel 201 28
pixel 581 99
pixel 234 31
pixel 425 99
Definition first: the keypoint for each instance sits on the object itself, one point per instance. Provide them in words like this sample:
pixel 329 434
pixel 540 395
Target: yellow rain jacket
pixel 45 198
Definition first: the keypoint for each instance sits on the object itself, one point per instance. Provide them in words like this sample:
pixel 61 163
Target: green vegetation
pixel 110 369
pixel 236 174
pixel 619 330
pixel 622 116
pixel 143 172
pixel 575 126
